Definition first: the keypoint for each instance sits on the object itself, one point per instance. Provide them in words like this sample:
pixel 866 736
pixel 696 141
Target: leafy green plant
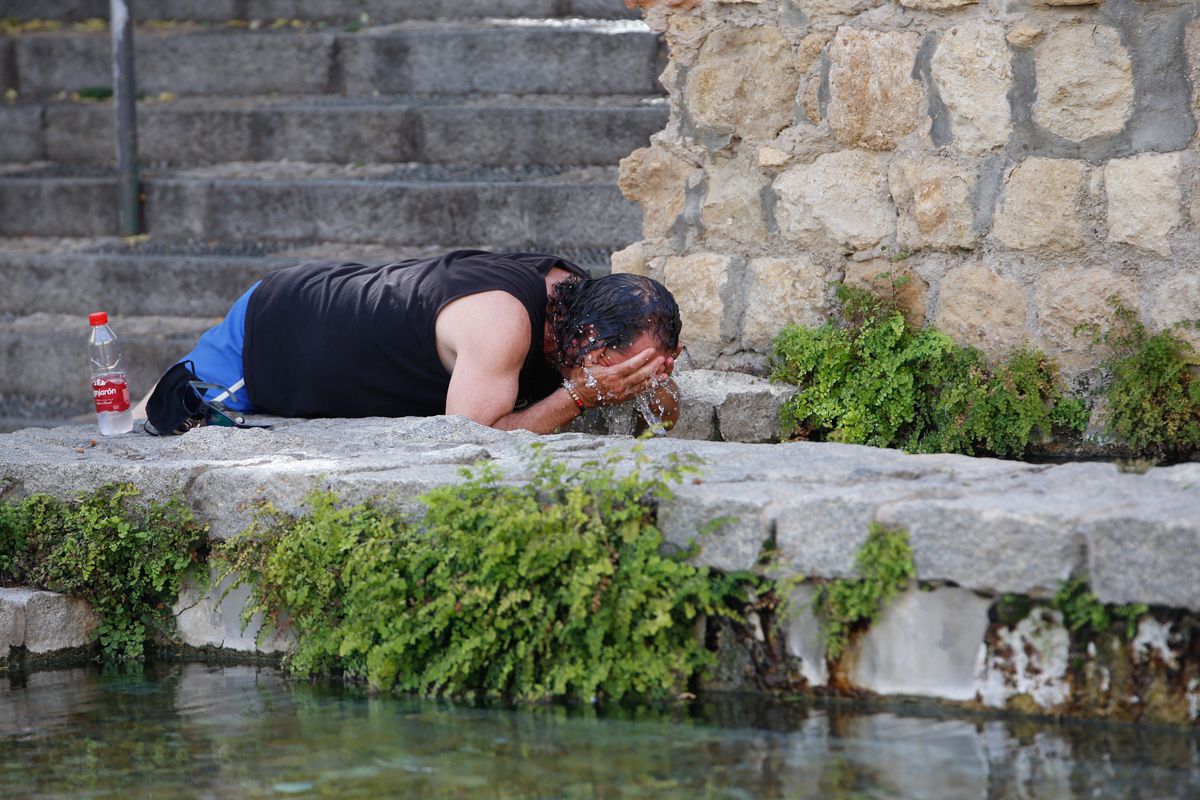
pixel 553 588
pixel 126 558
pixel 885 566
pixel 1153 395
pixel 873 379
pixel 1084 614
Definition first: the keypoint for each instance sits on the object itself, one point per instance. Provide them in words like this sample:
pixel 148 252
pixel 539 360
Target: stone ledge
pixel 715 405
pixel 44 623
pixel 987 525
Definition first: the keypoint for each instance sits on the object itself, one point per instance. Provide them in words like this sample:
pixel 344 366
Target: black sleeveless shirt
pixel 350 340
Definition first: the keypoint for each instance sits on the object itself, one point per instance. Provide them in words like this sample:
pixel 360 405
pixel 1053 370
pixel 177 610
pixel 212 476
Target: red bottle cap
pixel 98 318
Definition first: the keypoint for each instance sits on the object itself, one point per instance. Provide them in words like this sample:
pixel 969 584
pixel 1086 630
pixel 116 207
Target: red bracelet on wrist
pixel 574 394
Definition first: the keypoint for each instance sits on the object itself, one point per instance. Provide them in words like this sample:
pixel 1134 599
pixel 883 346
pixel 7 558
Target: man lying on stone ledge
pixel 510 340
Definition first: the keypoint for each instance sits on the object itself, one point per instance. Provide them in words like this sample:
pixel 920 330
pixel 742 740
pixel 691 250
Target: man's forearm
pixel 545 416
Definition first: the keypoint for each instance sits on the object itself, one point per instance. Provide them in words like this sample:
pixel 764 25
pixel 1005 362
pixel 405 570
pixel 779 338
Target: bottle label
pixel 112 394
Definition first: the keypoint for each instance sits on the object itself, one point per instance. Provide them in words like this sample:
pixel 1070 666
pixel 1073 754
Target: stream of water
pixel 225 732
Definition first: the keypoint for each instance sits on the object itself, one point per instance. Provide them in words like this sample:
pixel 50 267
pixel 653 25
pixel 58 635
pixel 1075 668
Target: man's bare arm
pixel 486 338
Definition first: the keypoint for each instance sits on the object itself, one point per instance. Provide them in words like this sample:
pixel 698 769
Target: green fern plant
pixel 555 588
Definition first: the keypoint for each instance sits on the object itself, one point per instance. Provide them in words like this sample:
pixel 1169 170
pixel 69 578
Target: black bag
pixel 177 404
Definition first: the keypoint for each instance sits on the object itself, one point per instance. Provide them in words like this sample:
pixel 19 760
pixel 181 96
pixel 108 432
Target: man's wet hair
pixel 587 314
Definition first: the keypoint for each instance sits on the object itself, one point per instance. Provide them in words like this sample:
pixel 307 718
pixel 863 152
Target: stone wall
pixel 1022 161
pixel 982 531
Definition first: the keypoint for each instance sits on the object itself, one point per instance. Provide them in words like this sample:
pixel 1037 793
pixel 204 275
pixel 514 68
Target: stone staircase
pixel 278 131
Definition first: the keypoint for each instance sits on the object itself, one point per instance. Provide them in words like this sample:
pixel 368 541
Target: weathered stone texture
pixel 697 281
pixel 657 179
pixel 1175 300
pixel 212 618
pixel 1024 34
pixel 1040 205
pixel 819 8
pixel 732 208
pixel 44 622
pixel 631 260
pixel 805 636
pixel 1126 552
pixel 1029 659
pixel 1144 200
pixel 1015 139
pixel 742 408
pixel 840 200
pixel 973 72
pixel 928 644
pixel 936 5
pixel 1192 54
pixel 744 83
pixel 873 97
pixel 1068 298
pixel 1084 82
pixel 977 307
pixel 779 292
pixel 881 276
pixel 933 198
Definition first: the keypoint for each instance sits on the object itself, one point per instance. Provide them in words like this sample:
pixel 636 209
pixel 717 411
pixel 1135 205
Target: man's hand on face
pixel 608 379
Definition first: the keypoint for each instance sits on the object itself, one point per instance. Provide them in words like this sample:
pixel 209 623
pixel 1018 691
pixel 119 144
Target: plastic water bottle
pixel 109 385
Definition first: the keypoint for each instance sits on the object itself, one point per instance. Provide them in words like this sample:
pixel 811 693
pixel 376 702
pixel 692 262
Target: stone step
pixel 510 131
pixel 370 203
pixel 492 56
pixel 44 357
pixel 328 10
pixel 176 278
pixel 42 623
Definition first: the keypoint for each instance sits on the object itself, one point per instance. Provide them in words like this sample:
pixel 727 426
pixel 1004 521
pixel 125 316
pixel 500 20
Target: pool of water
pixel 207 731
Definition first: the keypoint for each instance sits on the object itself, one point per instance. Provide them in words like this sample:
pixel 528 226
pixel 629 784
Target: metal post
pixel 125 89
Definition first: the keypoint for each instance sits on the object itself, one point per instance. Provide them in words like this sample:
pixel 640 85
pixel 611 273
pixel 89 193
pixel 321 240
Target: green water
pixel 226 732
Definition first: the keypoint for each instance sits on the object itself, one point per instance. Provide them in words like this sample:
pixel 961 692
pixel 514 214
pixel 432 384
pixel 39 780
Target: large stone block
pixel 929 644
pixel 732 208
pixel 1144 200
pixel 973 72
pixel 44 622
pixel 1177 299
pixel 751 414
pixel 697 282
pixel 1152 556
pixel 932 196
pixel 1020 535
pixel 1084 82
pixel 1065 299
pixel 1040 205
pixel 744 408
pixel 780 292
pixel 839 200
pixel 728 524
pixel 979 308
pixel 744 83
pixel 818 534
pixel 213 618
pixel 656 180
pixel 874 100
